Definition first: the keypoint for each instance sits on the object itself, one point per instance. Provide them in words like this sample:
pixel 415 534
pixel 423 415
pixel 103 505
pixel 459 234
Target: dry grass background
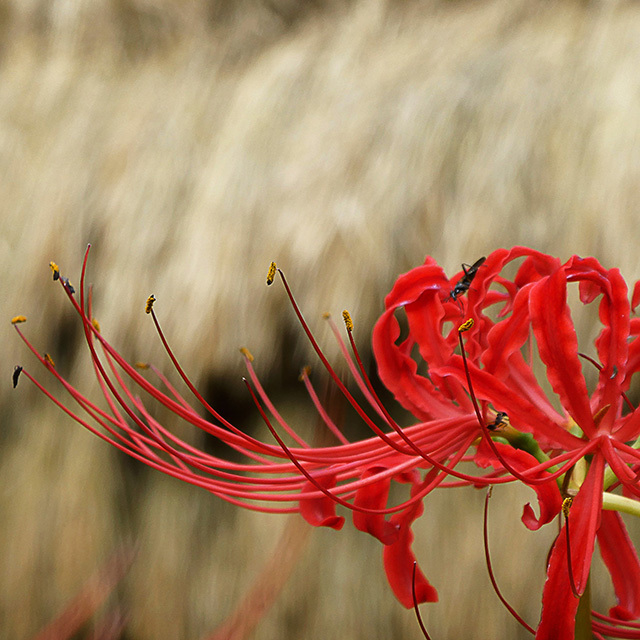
pixel 192 143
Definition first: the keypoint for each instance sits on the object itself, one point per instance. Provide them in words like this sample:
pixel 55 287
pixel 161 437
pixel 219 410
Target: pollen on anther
pixel 49 360
pixel 466 325
pixel 271 273
pixel 17 370
pixel 55 269
pixel 246 353
pixel 149 304
pixel 566 505
pixel 141 365
pixel 67 285
pixel 326 315
pixel 18 319
pixel 96 325
pixel 348 322
pixel 304 373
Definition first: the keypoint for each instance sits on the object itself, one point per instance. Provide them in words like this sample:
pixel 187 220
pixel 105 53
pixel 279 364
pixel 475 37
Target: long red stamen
pixel 492 577
pixel 415 602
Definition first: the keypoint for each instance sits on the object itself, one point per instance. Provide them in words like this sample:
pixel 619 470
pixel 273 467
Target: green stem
pixel 614 502
pixel 583 615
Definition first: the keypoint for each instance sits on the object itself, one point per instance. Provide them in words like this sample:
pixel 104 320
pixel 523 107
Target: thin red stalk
pixel 492 577
pixel 415 603
pixel 267 402
pixel 334 375
pixel 357 407
pixel 352 367
pixel 172 471
pixel 314 481
pixel 367 382
pixel 321 410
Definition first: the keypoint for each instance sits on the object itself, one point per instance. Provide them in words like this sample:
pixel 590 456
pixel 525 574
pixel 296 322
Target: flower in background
pixel 459 388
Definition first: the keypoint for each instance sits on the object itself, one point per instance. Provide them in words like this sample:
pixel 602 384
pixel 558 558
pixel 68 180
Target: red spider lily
pixel 592 427
pixel 545 449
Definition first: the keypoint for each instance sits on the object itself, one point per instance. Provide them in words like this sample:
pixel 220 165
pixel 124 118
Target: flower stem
pixel 583 615
pixel 614 502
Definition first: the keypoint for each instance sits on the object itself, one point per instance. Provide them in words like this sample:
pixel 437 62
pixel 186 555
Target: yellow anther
pixel 348 322
pixel 304 373
pixel 18 319
pixel 271 273
pixel 246 353
pixel 566 505
pixel 49 360
pixel 326 315
pixel 55 269
pixel 141 365
pixel 466 325
pixel 149 305
pixel 96 324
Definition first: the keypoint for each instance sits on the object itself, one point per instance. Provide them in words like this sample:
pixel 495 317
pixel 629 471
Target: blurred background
pixel 194 141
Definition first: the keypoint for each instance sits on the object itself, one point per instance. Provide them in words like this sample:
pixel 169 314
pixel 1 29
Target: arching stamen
pixel 322 412
pixel 248 359
pixel 492 577
pixel 349 327
pixel 414 449
pixel 297 463
pixel 415 602
pixel 336 378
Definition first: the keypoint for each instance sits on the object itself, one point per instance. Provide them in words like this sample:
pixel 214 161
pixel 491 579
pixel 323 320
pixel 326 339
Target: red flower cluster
pixel 460 381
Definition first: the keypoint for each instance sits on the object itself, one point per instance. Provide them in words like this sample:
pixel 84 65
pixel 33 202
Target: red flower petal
pixel 621 559
pixel 524 415
pixel 374 496
pixel 549 498
pixel 635 298
pixel 559 605
pixel 320 512
pixel 398 372
pixel 558 348
pixel 398 561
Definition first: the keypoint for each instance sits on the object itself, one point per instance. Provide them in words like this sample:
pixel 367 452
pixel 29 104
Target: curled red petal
pixel 619 554
pixel 558 347
pixel 374 496
pixel 549 498
pixel 398 372
pixel 321 511
pixel 524 414
pixel 398 561
pixel 507 336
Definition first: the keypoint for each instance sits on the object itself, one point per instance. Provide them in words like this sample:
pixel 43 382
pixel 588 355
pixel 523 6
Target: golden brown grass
pixel 192 143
